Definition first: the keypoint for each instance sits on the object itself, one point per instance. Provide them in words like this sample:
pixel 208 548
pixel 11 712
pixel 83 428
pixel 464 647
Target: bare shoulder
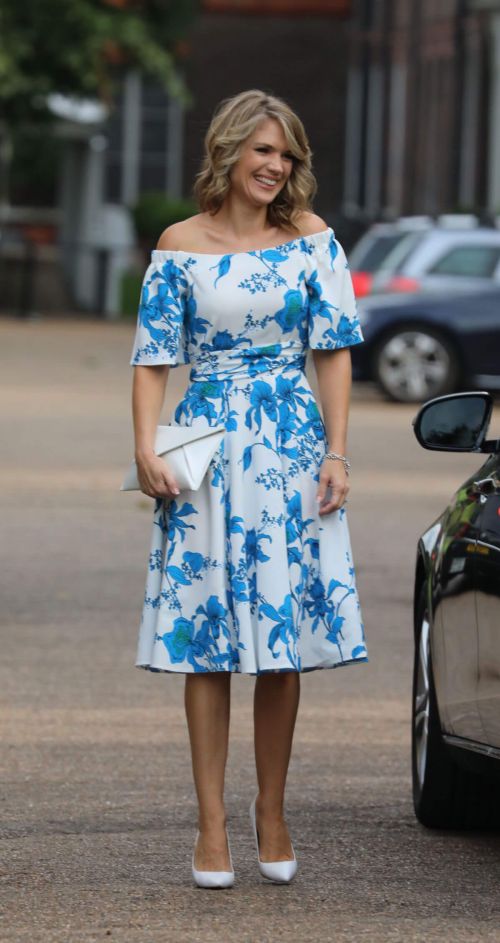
pixel 310 223
pixel 179 236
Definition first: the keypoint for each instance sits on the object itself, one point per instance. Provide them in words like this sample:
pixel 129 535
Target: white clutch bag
pixel 188 451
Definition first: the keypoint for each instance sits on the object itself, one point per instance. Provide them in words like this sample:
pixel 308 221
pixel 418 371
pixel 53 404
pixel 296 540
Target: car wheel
pixel 444 794
pixel 414 364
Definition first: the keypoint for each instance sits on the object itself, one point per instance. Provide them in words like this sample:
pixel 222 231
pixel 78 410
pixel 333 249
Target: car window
pixel 369 259
pixel 397 257
pixel 471 261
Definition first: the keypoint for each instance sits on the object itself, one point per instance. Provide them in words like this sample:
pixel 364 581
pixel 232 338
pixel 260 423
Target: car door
pixel 470 265
pixel 488 601
pixel 481 332
pixel 455 645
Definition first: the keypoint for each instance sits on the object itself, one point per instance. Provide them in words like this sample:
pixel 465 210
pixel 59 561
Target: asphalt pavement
pixel 97 804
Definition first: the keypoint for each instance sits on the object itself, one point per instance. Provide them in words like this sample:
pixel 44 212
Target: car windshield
pixel 397 258
pixel 370 253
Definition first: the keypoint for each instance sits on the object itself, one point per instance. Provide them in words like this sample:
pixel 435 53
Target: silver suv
pixel 376 244
pixel 441 259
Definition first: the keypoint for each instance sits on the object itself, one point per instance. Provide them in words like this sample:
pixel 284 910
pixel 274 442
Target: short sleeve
pixel 332 316
pixel 160 336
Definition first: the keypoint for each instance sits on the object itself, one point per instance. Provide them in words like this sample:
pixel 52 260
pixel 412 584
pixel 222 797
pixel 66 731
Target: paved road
pixel 97 803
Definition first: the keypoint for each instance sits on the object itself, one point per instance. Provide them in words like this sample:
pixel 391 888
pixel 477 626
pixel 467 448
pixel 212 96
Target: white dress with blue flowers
pixel 244 574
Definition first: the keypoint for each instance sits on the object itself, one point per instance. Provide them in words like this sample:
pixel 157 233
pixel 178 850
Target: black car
pixel 456 677
pixel 424 346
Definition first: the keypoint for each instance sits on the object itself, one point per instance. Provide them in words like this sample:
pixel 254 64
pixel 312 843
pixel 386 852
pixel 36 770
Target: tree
pixel 79 48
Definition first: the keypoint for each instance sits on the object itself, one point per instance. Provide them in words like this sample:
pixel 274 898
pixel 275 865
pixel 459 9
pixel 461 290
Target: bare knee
pixel 215 679
pixel 279 680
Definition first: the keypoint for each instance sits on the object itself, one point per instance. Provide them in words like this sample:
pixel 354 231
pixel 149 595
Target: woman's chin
pixel 262 198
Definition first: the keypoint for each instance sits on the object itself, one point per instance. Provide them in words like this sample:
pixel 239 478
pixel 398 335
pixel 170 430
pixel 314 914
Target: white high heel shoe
pixel 212 878
pixel 281 872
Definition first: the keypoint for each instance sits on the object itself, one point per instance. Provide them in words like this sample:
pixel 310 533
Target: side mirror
pixel 455 423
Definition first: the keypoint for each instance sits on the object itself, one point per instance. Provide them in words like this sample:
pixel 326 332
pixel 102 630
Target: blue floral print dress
pixel 244 574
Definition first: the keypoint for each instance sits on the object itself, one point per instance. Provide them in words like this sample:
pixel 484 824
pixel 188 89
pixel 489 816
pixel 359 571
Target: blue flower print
pixel 334 629
pixel 176 527
pixel 358 651
pixel 318 306
pixel 293 312
pixel 295 521
pixel 252 549
pixel 216 618
pixel 318 605
pixel 283 630
pixel 291 391
pixel 287 428
pixel 262 281
pixel 203 399
pixel 223 340
pixel 347 333
pixel 228 660
pixel 333 250
pixel 272 255
pixel 195 326
pixel 238 582
pixel 164 303
pixel 194 560
pixel 179 640
pixel 313 423
pixel 222 268
pixel 306 247
pixel 261 398
pixel 243 574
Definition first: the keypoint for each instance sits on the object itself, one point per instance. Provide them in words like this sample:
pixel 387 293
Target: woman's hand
pixel 332 473
pixel 155 478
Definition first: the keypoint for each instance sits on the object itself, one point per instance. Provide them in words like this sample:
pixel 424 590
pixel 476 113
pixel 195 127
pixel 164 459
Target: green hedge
pixel 130 293
pixel 154 211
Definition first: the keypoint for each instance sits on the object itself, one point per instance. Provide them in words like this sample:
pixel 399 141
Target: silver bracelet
pixel 340 458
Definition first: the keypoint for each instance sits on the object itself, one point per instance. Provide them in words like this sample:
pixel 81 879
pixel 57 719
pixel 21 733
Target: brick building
pixel 296 49
pixel 400 99
pixel 422 122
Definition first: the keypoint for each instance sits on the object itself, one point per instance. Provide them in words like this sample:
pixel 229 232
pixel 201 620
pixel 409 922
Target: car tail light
pixel 402 283
pixel 362 283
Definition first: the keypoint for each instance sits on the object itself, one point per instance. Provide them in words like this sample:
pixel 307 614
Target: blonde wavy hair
pixel 234 120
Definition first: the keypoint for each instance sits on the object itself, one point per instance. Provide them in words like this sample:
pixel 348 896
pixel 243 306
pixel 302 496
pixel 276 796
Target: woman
pixel 252 573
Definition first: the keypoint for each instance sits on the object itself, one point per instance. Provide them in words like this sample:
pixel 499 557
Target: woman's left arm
pixel 334 373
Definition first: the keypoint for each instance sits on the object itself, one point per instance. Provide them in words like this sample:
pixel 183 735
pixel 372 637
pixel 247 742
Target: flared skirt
pixel 244 574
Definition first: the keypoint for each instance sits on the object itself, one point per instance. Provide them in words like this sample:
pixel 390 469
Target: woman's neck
pixel 241 220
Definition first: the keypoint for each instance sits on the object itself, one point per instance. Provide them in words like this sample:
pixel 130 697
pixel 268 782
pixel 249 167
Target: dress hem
pixel 338 664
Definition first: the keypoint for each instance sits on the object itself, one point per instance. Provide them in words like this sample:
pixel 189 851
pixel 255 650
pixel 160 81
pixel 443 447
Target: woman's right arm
pixel 148 392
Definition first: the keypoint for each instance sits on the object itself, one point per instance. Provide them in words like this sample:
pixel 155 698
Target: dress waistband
pixel 247 361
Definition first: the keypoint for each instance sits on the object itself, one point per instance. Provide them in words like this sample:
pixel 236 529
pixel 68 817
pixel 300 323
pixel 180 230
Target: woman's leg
pixel 276 701
pixel 207 703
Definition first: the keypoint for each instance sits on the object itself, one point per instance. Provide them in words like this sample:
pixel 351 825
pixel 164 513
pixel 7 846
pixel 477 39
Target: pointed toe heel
pixel 280 872
pixel 213 879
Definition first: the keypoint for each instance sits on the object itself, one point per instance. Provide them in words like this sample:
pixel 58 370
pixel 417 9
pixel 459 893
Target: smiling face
pixel 264 165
